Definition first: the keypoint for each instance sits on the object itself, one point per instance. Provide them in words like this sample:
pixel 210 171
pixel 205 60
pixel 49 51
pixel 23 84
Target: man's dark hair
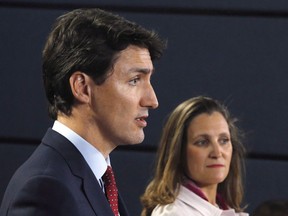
pixel 88 40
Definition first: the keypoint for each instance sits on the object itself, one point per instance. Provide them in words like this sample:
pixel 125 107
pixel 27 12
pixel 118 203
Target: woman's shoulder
pixel 232 212
pixel 177 208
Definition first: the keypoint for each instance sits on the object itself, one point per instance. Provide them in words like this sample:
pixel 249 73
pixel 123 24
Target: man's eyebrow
pixel 142 70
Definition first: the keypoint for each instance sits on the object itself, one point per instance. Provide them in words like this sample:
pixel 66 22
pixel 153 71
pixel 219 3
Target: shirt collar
pixel 189 184
pixel 93 157
pixel 197 202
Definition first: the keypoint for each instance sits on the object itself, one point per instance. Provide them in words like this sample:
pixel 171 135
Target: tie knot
pixel 108 177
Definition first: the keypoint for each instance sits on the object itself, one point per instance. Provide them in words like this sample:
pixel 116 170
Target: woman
pixel 199 163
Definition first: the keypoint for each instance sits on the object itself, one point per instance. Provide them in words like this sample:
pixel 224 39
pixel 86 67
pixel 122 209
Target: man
pixel 96 69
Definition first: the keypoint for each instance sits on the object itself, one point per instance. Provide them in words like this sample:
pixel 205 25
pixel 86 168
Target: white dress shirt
pixel 93 157
pixel 189 203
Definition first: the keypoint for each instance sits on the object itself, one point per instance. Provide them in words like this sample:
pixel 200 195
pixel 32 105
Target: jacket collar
pixel 80 169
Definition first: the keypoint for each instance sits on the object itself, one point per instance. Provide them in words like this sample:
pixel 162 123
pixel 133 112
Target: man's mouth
pixel 142 121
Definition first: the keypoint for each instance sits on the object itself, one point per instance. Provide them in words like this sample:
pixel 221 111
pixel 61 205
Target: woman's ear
pixel 79 86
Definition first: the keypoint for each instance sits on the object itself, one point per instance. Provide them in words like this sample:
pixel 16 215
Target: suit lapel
pixel 80 169
pixel 122 207
pixel 95 196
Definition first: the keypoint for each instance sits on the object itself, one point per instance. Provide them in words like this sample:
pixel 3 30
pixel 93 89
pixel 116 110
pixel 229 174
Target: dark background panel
pixel 266 180
pixel 133 171
pixel 225 6
pixel 23 104
pixel 12 155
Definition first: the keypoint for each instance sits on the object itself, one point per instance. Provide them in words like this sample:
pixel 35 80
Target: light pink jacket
pixel 188 203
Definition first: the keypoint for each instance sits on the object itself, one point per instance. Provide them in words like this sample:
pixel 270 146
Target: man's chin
pixel 136 141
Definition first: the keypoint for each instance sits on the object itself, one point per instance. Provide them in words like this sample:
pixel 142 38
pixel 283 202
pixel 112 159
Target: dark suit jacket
pixel 56 180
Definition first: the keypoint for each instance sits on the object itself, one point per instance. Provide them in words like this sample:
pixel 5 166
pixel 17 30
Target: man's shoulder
pixel 50 158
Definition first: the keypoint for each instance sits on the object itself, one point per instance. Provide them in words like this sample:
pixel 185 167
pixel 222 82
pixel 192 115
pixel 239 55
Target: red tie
pixel 111 190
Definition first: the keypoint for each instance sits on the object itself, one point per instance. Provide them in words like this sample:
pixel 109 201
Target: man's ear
pixel 79 86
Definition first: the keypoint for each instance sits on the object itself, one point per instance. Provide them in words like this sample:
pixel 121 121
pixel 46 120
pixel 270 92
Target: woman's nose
pixel 216 150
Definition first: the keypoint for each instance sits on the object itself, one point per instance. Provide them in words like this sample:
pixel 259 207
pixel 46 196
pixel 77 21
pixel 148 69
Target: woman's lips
pixel 215 166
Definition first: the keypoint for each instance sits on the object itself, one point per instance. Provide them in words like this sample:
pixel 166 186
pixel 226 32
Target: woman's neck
pixel 210 192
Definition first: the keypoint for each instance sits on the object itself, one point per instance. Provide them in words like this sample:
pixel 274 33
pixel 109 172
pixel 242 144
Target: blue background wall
pixel 234 51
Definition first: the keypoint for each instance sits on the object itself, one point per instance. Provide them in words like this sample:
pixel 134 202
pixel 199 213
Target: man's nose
pixel 150 99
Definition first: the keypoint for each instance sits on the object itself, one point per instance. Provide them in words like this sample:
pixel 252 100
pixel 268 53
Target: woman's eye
pixel 201 142
pixel 134 81
pixel 224 141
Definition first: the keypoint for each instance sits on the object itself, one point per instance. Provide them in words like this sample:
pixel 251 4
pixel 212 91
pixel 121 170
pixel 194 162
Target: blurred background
pixel 233 51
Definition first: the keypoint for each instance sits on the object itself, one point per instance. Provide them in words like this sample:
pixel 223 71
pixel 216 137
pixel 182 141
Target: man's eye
pixel 134 81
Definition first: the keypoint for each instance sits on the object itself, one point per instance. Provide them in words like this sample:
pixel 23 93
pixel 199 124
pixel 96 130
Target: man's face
pixel 120 105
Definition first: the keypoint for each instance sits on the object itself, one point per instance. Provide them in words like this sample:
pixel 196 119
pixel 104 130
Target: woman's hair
pixel 88 40
pixel 171 156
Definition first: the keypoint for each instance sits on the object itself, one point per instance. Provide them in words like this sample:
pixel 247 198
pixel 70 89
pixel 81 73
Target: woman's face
pixel 209 149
